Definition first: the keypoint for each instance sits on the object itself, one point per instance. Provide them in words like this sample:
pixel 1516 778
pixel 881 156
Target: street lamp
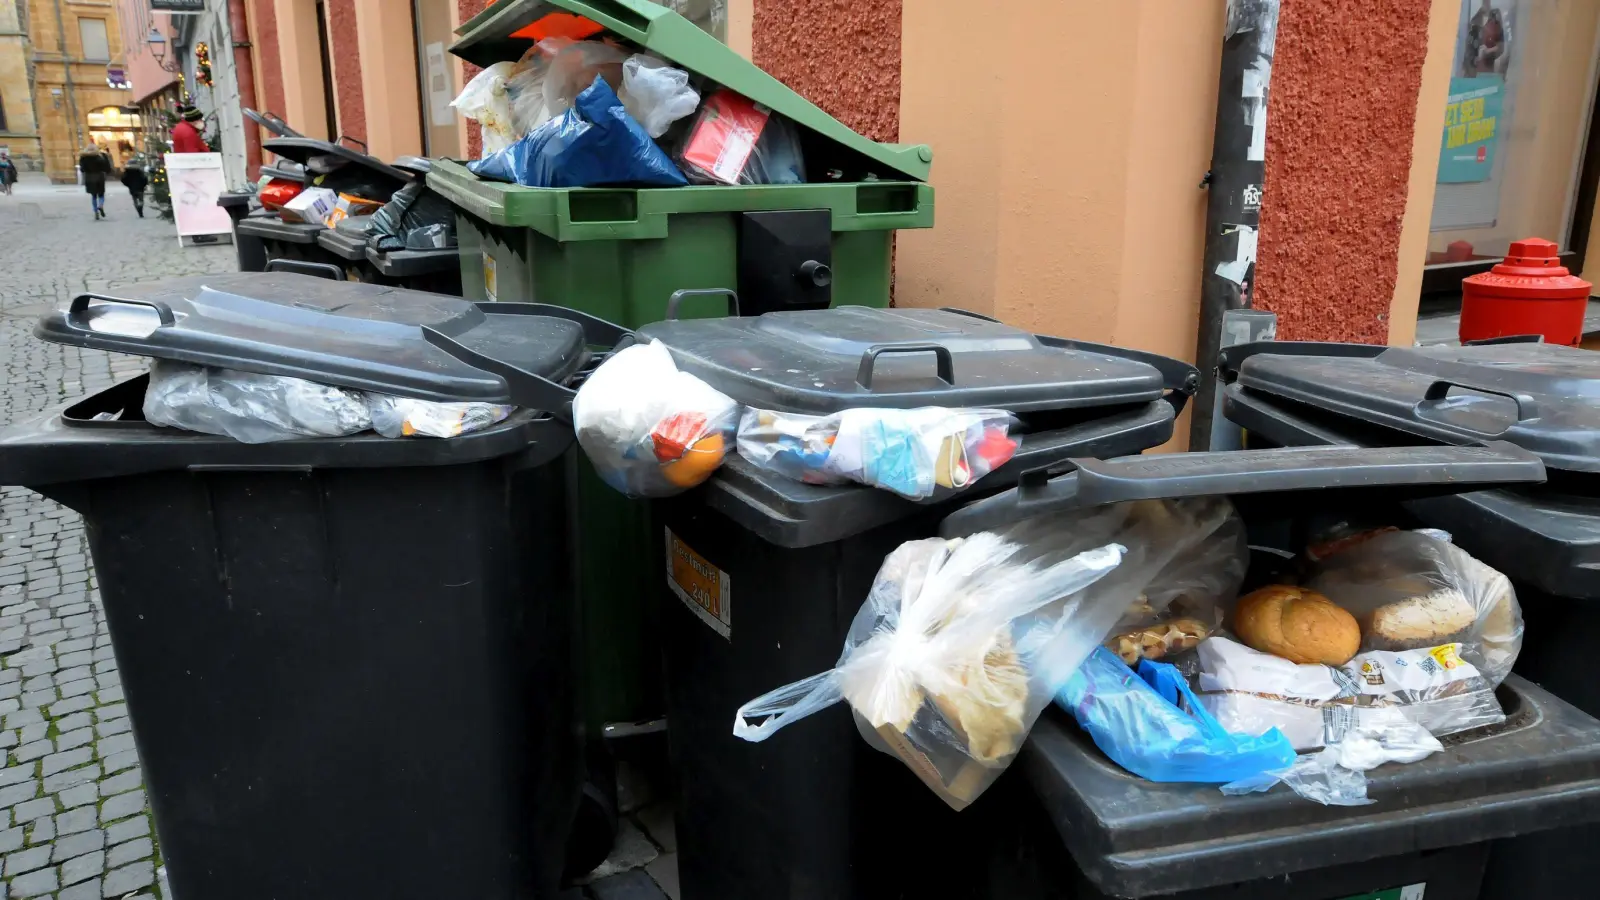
pixel 158 51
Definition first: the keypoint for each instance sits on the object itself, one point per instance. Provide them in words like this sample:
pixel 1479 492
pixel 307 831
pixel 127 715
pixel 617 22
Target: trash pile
pixel 584 113
pixel 1129 616
pixel 652 430
pixel 339 192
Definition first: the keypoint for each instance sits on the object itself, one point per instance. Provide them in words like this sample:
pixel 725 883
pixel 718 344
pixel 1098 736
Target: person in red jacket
pixel 186 134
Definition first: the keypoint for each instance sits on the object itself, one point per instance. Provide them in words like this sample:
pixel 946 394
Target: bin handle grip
pixel 346 137
pixel 1527 406
pixel 525 388
pixel 944 361
pixel 595 329
pixel 1182 379
pixel 306 267
pixel 678 297
pixel 80 304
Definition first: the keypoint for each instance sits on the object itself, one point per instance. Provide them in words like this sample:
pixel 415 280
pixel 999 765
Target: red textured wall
pixel 1340 120
pixel 345 51
pixel 470 8
pixel 269 71
pixel 842 55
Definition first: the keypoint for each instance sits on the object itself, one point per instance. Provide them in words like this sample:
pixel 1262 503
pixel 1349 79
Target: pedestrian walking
pixel 95 166
pixel 135 180
pixel 186 134
pixel 8 173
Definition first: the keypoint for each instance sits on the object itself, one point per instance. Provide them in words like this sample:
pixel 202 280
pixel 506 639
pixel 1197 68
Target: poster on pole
pixel 196 181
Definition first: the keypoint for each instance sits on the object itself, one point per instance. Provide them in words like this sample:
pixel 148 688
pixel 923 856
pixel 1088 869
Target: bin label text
pixel 702 587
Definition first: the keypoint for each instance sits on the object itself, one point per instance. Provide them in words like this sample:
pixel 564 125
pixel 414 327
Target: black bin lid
pixel 1543 397
pixel 353 335
pixel 301 149
pixel 822 361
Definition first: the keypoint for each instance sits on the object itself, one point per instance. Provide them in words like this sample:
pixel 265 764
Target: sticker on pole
pixel 702 587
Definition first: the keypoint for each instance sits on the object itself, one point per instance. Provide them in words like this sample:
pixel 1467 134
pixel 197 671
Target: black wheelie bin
pixel 329 165
pixel 347 661
pixel 764 574
pixel 1066 822
pixel 1546 537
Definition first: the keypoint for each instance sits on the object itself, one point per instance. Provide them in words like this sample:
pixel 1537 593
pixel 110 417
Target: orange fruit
pixel 697 463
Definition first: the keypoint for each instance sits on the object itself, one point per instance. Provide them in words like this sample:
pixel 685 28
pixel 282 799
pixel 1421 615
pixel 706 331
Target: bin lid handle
pixel 80 305
pixel 306 267
pixel 1093 482
pixel 944 361
pixel 678 297
pixel 525 388
pixel 596 330
pixel 1427 408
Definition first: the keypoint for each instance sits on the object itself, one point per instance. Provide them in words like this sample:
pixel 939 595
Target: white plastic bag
pixel 573 66
pixel 655 93
pixel 961 643
pixel 911 452
pixel 1336 775
pixel 249 407
pixel 649 429
pixel 486 101
pixel 525 87
pixel 406 417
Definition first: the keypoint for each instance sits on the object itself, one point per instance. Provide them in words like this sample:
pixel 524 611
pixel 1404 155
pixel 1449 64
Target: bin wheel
pixel 594 828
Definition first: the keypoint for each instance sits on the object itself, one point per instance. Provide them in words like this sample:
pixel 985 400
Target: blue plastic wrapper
pixel 1151 724
pixel 594 143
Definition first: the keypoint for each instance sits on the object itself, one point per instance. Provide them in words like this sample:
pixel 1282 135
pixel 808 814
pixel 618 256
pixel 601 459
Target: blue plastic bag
pixel 594 143
pixel 1151 724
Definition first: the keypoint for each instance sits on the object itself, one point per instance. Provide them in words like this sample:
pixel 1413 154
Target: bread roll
pixel 1299 625
pixel 1426 621
pixel 1158 640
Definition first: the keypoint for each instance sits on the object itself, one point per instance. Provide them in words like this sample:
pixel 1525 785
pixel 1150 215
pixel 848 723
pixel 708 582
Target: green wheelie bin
pixel 622 253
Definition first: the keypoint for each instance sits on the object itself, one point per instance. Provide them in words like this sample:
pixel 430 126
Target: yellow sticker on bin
pixel 702 587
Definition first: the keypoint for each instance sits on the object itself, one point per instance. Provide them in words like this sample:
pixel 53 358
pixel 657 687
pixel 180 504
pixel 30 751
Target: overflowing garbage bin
pixel 252 253
pixel 764 574
pixel 810 231
pixel 1545 537
pixel 347 660
pixel 336 177
pixel 1070 823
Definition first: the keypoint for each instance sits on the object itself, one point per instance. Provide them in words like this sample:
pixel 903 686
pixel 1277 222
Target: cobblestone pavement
pixel 74 823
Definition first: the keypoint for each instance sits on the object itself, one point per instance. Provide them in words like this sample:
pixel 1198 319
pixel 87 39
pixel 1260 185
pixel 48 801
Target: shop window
pixel 1511 157
pixel 96 45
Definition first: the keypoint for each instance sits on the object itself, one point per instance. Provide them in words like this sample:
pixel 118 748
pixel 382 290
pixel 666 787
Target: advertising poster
pixel 196 181
pixel 1471 129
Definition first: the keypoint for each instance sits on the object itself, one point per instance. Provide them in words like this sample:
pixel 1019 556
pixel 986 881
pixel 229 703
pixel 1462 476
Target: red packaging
pixel 724 135
pixel 275 193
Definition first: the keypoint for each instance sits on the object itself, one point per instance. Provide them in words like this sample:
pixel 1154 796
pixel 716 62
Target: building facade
pixel 74 54
pixel 19 128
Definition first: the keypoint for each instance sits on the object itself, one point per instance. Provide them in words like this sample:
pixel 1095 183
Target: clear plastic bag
pixel 1151 724
pixel 574 65
pixel 594 143
pixel 649 429
pixel 250 407
pixel 407 417
pixel 1336 775
pixel 1316 705
pixel 960 644
pixel 431 237
pixel 486 101
pixel 735 140
pixel 912 452
pixel 1410 590
pixel 655 93
pixel 525 88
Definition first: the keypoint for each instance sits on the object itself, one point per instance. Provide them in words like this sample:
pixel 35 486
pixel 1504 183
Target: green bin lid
pixel 487 39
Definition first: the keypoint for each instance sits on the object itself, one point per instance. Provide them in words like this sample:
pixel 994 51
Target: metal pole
pixel 1233 210
pixel 66 74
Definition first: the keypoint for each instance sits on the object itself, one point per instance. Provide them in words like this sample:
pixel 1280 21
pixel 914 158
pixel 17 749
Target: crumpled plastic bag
pixel 408 417
pixel 250 407
pixel 258 409
pixel 962 643
pixel 655 93
pixel 414 208
pixel 912 452
pixel 572 66
pixel 1151 724
pixel 650 429
pixel 1316 705
pixel 1336 775
pixel 486 101
pixel 594 143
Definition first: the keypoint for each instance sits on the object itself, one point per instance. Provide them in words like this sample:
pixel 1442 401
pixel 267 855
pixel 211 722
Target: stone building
pixel 72 51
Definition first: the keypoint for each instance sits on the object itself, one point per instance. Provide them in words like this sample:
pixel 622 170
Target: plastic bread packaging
pixel 407 417
pixel 912 452
pixel 650 429
pixel 961 643
pixel 486 101
pixel 1411 590
pixel 1317 705
pixel 250 407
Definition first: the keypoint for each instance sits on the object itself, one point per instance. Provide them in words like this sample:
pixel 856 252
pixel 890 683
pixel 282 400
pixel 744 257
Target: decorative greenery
pixel 202 63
